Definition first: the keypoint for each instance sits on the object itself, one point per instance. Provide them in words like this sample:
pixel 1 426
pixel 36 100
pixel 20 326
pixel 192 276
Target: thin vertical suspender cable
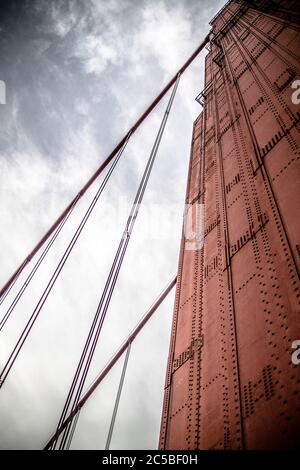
pixel 116 406
pixel 22 338
pixel 73 430
pixel 91 342
pixel 92 339
pixel 103 166
pixel 95 384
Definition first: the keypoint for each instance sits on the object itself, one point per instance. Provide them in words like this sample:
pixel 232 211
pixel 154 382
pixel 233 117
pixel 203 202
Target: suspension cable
pixel 73 430
pixel 92 339
pixel 31 274
pixel 117 402
pixel 11 286
pixel 103 166
pixel 23 336
pixel 95 384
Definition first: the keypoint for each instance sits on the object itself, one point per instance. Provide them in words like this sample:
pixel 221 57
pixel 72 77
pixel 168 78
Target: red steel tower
pixel 231 381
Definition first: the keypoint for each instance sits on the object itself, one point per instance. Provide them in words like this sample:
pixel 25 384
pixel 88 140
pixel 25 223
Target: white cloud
pixel 81 106
pixel 165 34
pixel 95 53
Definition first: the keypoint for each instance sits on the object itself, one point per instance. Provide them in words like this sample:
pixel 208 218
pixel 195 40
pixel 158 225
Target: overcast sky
pixel 77 75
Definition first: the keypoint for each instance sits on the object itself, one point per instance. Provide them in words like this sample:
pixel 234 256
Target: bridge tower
pixel 232 380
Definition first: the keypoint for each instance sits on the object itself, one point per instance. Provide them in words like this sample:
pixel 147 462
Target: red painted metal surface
pixel 231 382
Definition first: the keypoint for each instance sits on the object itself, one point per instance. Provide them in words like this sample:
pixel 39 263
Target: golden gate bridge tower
pixel 233 373
pixel 231 382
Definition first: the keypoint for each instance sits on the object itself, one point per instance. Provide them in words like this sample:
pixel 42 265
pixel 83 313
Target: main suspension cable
pixel 11 285
pixel 92 339
pixel 22 338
